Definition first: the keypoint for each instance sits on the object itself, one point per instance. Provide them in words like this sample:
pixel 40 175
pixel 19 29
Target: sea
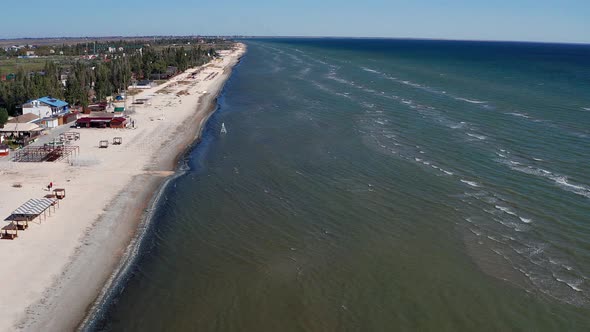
pixel 376 185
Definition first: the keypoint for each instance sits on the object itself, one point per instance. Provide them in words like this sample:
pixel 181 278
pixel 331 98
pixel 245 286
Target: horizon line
pixel 237 36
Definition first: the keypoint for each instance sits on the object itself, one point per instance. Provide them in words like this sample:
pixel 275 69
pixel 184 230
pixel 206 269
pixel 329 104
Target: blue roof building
pixel 53 102
pixel 46 108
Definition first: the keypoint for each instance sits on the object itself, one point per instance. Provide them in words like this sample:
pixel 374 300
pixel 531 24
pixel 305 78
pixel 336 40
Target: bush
pixel 3 116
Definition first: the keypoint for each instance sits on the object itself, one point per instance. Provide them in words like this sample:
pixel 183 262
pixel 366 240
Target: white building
pixel 46 107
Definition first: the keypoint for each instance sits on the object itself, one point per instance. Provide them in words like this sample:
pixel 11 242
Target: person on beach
pixel 50 185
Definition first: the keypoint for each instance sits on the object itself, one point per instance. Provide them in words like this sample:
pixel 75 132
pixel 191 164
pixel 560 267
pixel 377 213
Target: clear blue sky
pixel 528 20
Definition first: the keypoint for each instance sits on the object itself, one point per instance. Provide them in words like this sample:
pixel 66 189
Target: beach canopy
pixel 34 207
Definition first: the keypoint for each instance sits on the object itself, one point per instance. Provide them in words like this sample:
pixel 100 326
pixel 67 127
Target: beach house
pixel 51 111
pixel 45 107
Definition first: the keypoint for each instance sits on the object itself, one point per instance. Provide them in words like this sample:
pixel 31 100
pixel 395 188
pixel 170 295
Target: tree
pixel 3 116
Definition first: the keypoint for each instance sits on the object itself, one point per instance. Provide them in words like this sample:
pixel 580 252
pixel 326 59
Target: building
pixel 102 122
pixel 46 107
pixel 170 71
pixel 143 84
pixel 21 133
pixel 25 118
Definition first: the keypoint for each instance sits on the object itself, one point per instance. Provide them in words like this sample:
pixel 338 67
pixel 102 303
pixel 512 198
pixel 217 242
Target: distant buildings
pixel 170 71
pixel 143 84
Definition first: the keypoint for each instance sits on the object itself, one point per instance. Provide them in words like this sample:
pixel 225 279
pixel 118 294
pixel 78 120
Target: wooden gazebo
pixel 60 193
pixel 9 232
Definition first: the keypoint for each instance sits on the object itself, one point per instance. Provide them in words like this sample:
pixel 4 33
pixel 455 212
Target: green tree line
pixel 89 81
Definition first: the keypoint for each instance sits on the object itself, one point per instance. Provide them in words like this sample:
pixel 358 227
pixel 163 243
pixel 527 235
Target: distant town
pixel 45 85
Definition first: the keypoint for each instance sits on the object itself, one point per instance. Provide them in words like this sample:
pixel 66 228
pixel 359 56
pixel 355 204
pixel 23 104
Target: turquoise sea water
pixel 378 185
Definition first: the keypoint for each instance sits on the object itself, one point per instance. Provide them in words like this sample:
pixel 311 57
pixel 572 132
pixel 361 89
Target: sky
pixel 519 20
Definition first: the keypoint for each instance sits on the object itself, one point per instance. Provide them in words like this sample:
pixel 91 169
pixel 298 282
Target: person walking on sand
pixel 50 185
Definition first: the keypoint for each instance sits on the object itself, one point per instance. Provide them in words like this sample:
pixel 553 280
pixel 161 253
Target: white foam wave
pixel 520 115
pixel 458 125
pixel 338 79
pixel 586 109
pixel 328 90
pixel 505 210
pixel 576 188
pixel 575 285
pixel 415 85
pixel 526 220
pixel 471 101
pixel 480 137
pixel 478 233
pixel 561 181
pixel 471 183
pixel 371 70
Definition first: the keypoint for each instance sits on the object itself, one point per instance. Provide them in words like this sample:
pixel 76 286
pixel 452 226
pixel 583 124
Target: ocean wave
pixel 332 75
pixel 415 85
pixel 405 82
pixel 459 125
pixel 371 70
pixel 478 233
pixel 575 188
pixel 471 183
pixel 506 210
pixel 575 285
pixel 561 181
pixel 586 109
pixel 520 115
pixel 328 90
pixel 471 101
pixel 480 137
pixel 427 88
pixel 525 220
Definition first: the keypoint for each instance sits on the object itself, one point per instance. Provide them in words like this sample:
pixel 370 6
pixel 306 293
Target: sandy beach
pixel 54 271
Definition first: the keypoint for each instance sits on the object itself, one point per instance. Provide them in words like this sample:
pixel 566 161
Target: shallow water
pixel 371 185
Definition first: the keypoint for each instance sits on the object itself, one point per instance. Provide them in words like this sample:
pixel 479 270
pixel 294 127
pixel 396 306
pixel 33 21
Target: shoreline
pixel 111 237
pixel 121 274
